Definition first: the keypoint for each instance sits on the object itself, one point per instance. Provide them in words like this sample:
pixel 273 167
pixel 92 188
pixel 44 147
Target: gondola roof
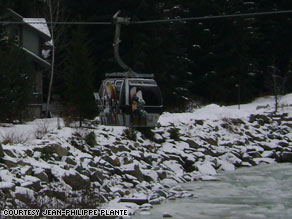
pixel 128 74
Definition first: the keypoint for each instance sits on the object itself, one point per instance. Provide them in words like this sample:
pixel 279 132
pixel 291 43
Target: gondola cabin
pixel 129 101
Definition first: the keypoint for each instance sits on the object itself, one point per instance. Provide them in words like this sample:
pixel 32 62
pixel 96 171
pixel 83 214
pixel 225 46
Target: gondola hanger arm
pixel 118 21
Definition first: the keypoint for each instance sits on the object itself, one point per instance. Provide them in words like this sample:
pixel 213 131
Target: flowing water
pixel 263 191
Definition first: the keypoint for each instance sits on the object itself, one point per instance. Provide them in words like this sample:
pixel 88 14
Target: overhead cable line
pixel 57 22
pixel 153 21
pixel 213 17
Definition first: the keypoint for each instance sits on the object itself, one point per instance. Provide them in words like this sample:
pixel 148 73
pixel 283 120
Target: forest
pixel 217 60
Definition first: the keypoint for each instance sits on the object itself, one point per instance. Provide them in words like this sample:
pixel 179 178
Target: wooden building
pixel 32 35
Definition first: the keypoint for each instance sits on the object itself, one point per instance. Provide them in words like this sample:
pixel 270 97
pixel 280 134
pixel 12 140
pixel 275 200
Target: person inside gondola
pixel 138 112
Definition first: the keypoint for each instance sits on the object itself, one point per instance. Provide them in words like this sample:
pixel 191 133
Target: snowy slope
pixel 216 112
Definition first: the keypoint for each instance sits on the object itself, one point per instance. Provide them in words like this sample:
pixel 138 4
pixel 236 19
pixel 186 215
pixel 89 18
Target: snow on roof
pixel 39 24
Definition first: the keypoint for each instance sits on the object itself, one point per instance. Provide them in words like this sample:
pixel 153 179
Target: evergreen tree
pixel 272 48
pixel 79 78
pixel 15 75
pixel 15 83
pixel 172 60
pixel 3 5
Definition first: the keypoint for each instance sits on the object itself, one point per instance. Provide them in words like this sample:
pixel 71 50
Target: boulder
pixel 158 138
pixel 247 160
pixel 1 152
pixel 192 144
pixel 83 171
pixel 166 214
pixel 283 144
pixel 210 141
pixel 269 154
pixel 55 148
pixel 10 163
pixel 176 157
pixel 285 156
pixel 254 154
pixel 138 201
pixel 254 138
pixel 23 163
pixel 269 147
pixel 206 168
pixel 114 162
pixel 230 157
pixel 76 180
pixel 156 201
pixel 119 148
pixel 289 125
pixel 275 136
pixel 149 159
pixel 213 153
pixel 97 176
pixel 95 152
pixel 70 161
pixel 261 119
pixel 41 174
pixel 29 152
pixel 26 170
pixel 7 152
pixel 136 172
pixel 7 186
pixel 61 195
pixel 162 174
pixel 199 122
pixel 24 195
pixel 50 175
pixel 33 185
pixel 162 193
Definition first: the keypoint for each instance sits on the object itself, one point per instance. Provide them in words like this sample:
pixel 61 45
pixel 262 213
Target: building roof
pixel 37 24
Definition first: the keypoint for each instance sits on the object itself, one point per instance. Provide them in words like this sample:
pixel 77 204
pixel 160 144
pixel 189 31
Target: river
pixel 264 191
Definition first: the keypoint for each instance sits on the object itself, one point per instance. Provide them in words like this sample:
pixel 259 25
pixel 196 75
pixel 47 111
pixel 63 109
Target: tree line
pixel 205 60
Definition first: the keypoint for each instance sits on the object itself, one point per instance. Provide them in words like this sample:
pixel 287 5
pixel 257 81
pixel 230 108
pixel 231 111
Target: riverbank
pixel 115 167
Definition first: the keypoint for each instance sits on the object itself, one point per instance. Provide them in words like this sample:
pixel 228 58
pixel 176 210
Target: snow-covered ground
pixel 119 168
pixel 216 112
pixel 29 131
